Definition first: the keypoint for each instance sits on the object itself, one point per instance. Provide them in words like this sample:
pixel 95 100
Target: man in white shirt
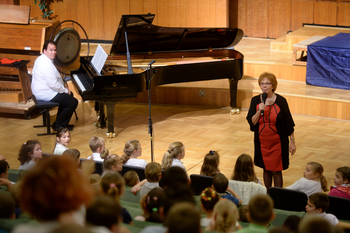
pixel 47 85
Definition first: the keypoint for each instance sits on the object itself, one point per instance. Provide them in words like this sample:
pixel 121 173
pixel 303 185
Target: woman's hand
pixel 262 107
pixel 292 147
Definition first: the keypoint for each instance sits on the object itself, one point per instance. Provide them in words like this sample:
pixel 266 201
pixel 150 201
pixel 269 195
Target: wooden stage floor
pixel 321 115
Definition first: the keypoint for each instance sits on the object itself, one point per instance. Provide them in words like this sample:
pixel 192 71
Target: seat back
pixel 286 199
pixel 339 206
pixel 199 183
pixel 139 170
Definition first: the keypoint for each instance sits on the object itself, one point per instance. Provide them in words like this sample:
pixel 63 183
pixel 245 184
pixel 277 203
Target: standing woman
pixel 273 128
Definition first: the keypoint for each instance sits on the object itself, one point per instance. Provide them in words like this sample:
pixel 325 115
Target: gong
pixel 68 47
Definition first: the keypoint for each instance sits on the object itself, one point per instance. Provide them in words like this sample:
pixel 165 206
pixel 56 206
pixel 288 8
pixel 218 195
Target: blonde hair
pixel 129 149
pixel 173 151
pixel 104 154
pixel 226 214
pixel 131 178
pixel 95 143
pixel 112 184
pixel 153 172
pixel 109 162
pixel 317 168
pixel 271 77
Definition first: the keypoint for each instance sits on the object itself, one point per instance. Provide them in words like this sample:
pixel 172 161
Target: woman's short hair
pixel 271 77
pixel 53 187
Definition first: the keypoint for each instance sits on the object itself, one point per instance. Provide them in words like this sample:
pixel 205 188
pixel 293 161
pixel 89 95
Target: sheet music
pixel 99 59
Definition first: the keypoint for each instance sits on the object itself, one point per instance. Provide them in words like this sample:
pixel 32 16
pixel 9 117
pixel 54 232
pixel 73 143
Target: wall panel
pixel 257 18
pixel 278 18
pixel 325 13
pixel 238 14
pixel 343 16
pixel 302 11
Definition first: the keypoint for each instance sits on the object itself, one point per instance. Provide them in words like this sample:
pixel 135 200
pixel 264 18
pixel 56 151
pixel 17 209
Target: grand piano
pixel 194 54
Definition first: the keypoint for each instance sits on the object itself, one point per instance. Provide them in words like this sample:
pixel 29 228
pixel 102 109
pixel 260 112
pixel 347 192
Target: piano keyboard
pixel 82 83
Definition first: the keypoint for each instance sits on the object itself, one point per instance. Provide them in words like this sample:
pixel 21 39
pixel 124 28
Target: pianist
pixel 47 85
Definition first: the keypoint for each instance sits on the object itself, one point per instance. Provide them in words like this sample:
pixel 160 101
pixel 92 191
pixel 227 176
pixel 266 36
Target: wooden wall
pixel 275 18
pixel 100 18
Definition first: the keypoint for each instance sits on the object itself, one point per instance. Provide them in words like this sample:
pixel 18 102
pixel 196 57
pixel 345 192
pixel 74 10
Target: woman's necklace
pixel 271 100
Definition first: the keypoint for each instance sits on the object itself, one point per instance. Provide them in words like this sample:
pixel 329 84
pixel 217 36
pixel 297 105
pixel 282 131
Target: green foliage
pixel 44 7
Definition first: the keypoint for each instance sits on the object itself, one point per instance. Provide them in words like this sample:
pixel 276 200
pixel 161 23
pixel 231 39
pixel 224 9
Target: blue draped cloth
pixel 328 62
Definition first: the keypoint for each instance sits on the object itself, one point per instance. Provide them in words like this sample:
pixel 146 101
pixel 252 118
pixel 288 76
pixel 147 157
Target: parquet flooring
pixel 200 129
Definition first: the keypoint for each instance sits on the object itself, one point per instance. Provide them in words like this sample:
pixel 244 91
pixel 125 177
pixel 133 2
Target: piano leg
pixel 110 117
pixel 233 95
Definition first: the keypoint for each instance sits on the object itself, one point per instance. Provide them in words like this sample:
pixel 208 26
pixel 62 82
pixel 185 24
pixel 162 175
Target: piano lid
pixel 144 37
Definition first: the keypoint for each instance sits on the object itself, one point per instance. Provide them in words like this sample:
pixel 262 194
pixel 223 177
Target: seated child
pixel 62 140
pixel 220 184
pixel 318 204
pixel 7 206
pixel 260 213
pixel 131 178
pixel 132 150
pixel 74 154
pixel 174 155
pixel 225 216
pixel 210 165
pixel 315 224
pixel 95 180
pixel 244 170
pixel 29 154
pixel 341 186
pixel 292 223
pixel 183 217
pixel 112 163
pixel 4 175
pixel 153 174
pixel 313 180
pixel 153 205
pixel 97 145
pixel 209 197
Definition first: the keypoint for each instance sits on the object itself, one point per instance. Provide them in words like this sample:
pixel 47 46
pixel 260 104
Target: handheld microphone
pixel 153 61
pixel 264 97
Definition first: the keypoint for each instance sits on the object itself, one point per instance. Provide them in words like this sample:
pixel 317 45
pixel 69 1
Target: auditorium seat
pixel 287 199
pixel 339 206
pixel 199 183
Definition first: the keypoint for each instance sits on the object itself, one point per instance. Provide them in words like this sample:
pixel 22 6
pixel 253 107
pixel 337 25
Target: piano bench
pixel 45 107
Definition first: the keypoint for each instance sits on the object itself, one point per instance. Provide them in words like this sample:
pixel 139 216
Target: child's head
pixel 220 183
pixel 209 197
pixel 243 211
pixel 260 209
pixel 174 175
pixel 315 224
pixel 133 149
pixel 153 172
pixel 317 203
pixel 104 211
pixel 153 205
pixel 112 163
pixel 131 178
pixel 225 215
pixel 95 181
pixel 112 184
pixel 74 154
pixel 210 164
pixel 183 218
pixel 63 136
pixel 342 176
pixel 292 223
pixel 4 169
pixel 31 150
pixel 97 144
pixel 7 206
pixel 176 150
pixel 244 169
pixel 314 171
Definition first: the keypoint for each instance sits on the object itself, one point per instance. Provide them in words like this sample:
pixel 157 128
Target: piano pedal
pixel 110 134
pixel 235 111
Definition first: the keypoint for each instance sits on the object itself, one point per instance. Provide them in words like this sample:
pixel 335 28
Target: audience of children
pixel 29 154
pixel 313 180
pixel 209 197
pixel 97 146
pixel 152 205
pixel 131 178
pixel 133 150
pixel 210 165
pixel 225 217
pixel 54 192
pixel 260 213
pixel 341 186
pixel 173 156
pixel 244 170
pixel 220 184
pixel 112 163
pixel 74 154
pixel 112 184
pixel 153 174
pixel 62 140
